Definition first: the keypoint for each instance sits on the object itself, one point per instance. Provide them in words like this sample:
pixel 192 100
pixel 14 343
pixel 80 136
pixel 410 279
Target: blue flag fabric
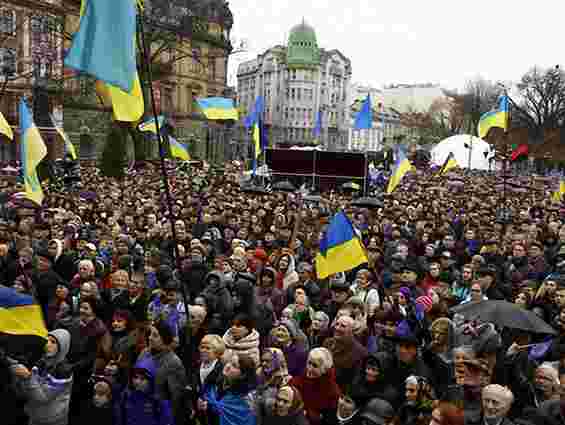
pixel 255 114
pixel 104 45
pixel 364 119
pixel 318 127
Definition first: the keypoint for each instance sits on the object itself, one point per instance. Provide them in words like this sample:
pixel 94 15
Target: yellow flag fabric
pixel 5 128
pixel 558 194
pixel 32 151
pixel 257 140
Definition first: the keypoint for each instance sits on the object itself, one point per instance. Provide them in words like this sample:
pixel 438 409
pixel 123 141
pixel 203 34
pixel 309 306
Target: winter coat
pixel 320 397
pixel 48 389
pixel 218 298
pixel 170 380
pixel 143 408
pixel 248 345
pixel 349 355
pixel 550 413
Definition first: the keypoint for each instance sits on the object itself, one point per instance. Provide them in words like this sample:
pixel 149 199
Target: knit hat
pixel 426 302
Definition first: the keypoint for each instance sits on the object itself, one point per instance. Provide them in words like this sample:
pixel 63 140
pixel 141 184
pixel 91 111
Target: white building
pixel 297 81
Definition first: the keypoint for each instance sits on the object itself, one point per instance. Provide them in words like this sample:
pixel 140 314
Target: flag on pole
pixel 69 147
pixel 450 163
pixel 104 45
pixel 340 248
pixel 178 150
pixel 318 127
pixel 151 126
pixel 218 108
pixel 5 128
pixel 364 119
pixel 558 194
pixel 255 114
pixel 401 167
pixel 114 67
pixel 496 118
pixel 32 151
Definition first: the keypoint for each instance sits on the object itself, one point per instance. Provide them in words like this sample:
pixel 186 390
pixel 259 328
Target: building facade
pixel 297 81
pixel 31 63
pixel 387 127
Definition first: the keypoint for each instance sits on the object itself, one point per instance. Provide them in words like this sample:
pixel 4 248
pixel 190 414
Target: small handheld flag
pixel 340 248
pixel 449 164
pixel 150 124
pixel 401 167
pixel 178 150
pixel 69 147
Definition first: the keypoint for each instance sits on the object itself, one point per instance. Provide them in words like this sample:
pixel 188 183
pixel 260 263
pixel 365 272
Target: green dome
pixel 303 49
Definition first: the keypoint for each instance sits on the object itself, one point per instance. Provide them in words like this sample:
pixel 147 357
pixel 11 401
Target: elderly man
pixel 496 402
pixel 348 353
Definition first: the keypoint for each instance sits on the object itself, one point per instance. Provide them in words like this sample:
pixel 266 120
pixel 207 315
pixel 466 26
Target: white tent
pixel 463 146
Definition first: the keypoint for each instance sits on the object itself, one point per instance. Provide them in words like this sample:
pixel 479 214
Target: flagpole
pixel 145 59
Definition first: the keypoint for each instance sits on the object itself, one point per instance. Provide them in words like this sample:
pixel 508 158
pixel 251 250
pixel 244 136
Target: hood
pixel 272 272
pixel 216 275
pixel 59 248
pixel 148 365
pixel 63 338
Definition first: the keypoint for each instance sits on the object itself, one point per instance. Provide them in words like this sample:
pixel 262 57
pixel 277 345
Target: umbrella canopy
pixel 251 188
pixel 354 187
pixel 284 186
pixel 367 202
pixel 504 314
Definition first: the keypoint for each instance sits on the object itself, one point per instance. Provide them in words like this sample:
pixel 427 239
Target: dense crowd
pixel 261 339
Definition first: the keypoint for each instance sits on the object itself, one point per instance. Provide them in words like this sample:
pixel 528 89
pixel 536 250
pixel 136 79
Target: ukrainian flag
pixel 218 108
pixel 558 194
pixel 5 128
pixel 401 167
pixel 69 147
pixel 151 126
pixel 496 118
pixel 32 151
pixel 178 150
pixel 20 315
pixel 340 248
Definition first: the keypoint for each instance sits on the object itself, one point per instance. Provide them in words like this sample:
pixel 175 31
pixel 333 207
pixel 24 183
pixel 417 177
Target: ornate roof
pixel 303 51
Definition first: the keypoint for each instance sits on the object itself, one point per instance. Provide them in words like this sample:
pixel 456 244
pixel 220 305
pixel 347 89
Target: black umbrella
pixel 312 198
pixel 367 202
pixel 284 186
pixel 251 188
pixel 504 314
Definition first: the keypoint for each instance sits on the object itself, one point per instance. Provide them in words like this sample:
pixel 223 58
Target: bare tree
pixel 540 104
pixel 479 96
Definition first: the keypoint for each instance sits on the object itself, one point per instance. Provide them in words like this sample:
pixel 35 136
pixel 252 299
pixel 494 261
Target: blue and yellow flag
pixel 218 108
pixel 32 151
pixel 69 147
pixel 151 126
pixel 117 80
pixel 364 119
pixel 256 113
pixel 20 315
pixel 340 248
pixel 104 45
pixel 401 167
pixel 496 118
pixel 178 150
pixel 5 128
pixel 450 163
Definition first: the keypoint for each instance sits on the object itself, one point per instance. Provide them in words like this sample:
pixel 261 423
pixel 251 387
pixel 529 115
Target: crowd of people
pixel 238 329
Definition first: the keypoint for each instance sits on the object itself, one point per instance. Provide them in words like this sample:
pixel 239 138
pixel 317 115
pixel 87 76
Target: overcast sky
pixel 414 41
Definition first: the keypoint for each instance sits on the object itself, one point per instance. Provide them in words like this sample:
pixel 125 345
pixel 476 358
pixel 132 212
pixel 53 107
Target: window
pixel 7 61
pixel 8 21
pixel 298 91
pixel 294 74
pixel 293 93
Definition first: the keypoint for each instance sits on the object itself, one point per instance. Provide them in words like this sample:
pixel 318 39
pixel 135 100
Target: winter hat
pixel 426 302
pixel 165 332
pixel 406 292
pixel 260 254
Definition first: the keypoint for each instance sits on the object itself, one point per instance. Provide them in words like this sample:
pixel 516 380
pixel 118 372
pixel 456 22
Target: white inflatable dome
pixel 456 144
